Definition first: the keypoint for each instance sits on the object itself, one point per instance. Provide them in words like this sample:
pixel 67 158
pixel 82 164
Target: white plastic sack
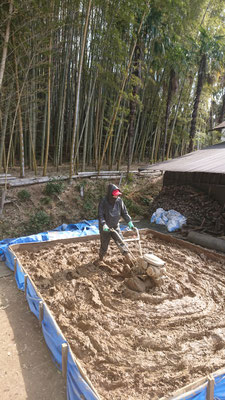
pixel 156 216
pixel 172 219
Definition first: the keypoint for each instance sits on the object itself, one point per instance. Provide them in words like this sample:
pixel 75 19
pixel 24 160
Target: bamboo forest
pixel 96 83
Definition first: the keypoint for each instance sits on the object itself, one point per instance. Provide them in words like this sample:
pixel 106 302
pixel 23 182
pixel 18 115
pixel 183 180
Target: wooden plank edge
pixel 188 390
pixel 213 254
pixel 218 372
pixel 50 243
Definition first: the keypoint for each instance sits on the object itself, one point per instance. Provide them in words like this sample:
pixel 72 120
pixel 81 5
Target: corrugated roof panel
pixel 211 159
pixel 220 126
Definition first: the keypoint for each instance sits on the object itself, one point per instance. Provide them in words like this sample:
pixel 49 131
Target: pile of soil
pixel 134 344
pixel 203 213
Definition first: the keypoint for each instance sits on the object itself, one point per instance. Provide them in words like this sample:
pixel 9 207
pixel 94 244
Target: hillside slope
pixel 40 207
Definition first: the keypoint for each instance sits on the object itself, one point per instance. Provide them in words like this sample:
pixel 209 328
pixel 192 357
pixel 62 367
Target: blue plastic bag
pixel 172 219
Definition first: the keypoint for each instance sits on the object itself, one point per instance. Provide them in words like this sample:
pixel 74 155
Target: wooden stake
pixel 41 311
pixel 64 359
pixel 2 201
pixel 15 266
pixel 121 177
pixel 25 284
pixel 210 388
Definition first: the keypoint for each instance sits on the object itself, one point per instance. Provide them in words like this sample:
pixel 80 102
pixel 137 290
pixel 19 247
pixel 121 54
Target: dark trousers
pixel 105 238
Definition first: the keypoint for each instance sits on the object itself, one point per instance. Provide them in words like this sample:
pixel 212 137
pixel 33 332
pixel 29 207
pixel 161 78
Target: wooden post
pixel 25 284
pixel 210 388
pixel 121 177
pixel 15 266
pixel 41 311
pixel 64 359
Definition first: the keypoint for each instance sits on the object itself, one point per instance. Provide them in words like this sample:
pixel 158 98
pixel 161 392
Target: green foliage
pixel 174 34
pixel 53 187
pixel 132 207
pixel 45 200
pixel 129 178
pixel 101 188
pixel 38 222
pixel 90 205
pixel 125 188
pixel 81 184
pixel 92 196
pixel 145 201
pixel 23 195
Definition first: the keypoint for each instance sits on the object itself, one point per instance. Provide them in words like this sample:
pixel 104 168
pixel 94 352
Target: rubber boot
pixel 99 260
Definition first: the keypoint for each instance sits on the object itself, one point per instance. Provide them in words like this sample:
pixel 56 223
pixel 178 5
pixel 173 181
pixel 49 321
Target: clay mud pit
pixel 134 345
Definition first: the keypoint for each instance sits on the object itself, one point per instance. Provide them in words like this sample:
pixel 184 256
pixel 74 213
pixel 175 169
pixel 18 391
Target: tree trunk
pixel 77 105
pixel 133 104
pixel 49 107
pixel 44 130
pixel 174 120
pixel 171 90
pixel 222 112
pixel 4 125
pixel 22 171
pixel 201 74
pixel 116 109
pixel 5 45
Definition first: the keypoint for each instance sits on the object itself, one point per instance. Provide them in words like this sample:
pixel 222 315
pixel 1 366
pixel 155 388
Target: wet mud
pixel 135 339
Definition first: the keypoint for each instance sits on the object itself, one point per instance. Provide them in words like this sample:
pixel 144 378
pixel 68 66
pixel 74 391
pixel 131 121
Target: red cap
pixel 116 192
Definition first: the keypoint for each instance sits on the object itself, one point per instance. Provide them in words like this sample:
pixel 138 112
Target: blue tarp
pixel 77 387
pixel 53 337
pixel 64 231
pixel 199 394
pixel 32 298
pixel 219 387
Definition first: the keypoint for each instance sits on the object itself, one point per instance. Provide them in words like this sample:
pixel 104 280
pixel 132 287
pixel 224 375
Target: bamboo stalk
pixel 49 106
pixel 77 105
pixel 5 45
pixel 22 171
pixel 116 109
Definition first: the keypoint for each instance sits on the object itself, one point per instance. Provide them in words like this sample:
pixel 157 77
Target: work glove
pixel 106 228
pixel 131 225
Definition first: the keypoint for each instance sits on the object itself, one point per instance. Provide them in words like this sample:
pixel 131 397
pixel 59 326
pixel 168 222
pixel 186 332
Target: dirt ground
pixel 26 368
pixel 133 344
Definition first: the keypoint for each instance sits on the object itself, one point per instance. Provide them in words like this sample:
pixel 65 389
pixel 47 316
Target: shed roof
pixel 210 159
pixel 218 127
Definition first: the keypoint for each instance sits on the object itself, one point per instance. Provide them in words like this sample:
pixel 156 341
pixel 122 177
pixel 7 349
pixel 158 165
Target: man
pixel 111 208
